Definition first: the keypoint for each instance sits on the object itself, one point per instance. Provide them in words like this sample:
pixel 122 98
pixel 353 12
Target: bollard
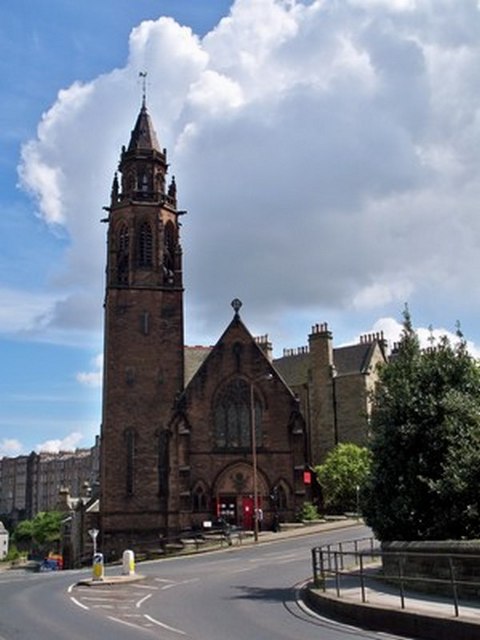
pixel 98 566
pixel 128 560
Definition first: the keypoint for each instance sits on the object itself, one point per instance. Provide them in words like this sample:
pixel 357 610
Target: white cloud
pixel 69 443
pixel 327 154
pixel 20 310
pixel 10 447
pixel 92 378
pixel 390 5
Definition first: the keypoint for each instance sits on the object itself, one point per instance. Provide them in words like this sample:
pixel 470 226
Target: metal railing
pixel 347 567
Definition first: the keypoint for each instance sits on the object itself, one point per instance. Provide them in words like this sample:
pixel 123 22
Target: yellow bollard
pixel 128 563
pixel 98 566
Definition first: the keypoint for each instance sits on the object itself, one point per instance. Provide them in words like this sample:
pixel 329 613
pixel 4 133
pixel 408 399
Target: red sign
pixel 307 477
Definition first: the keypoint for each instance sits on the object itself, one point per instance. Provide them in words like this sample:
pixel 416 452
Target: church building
pixel 194 434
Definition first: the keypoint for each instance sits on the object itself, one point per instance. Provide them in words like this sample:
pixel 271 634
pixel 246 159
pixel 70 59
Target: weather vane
pixel 143 75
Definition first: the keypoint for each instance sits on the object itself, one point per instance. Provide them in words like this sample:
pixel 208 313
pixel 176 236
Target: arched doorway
pixel 234 494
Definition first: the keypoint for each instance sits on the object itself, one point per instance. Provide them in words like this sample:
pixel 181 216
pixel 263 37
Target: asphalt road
pixel 248 592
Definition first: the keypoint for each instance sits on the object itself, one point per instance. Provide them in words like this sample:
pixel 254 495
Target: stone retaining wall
pixel 432 560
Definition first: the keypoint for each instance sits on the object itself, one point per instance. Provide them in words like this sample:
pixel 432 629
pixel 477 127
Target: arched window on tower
pixel 163 462
pixel 145 245
pixel 123 242
pixel 130 461
pixel 169 252
pixel 232 417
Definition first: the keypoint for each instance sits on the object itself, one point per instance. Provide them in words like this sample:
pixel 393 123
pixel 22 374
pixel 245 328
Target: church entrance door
pixel 248 512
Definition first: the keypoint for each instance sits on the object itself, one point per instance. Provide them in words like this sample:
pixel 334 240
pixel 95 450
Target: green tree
pixel 346 467
pixel 40 534
pixel 425 443
pixel 46 528
pixel 23 535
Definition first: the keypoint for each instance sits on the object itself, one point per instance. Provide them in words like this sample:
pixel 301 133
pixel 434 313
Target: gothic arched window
pixel 163 462
pixel 199 499
pixel 145 245
pixel 232 417
pixel 169 250
pixel 123 242
pixel 282 502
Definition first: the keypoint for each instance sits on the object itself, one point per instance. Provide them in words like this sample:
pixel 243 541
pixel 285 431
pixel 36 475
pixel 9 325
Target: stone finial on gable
pixel 236 305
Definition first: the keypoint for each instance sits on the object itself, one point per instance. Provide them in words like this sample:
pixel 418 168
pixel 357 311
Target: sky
pixel 327 153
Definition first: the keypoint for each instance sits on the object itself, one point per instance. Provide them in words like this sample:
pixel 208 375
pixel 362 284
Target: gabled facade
pixel 214 423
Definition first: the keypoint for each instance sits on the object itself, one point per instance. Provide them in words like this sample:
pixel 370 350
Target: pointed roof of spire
pixel 143 135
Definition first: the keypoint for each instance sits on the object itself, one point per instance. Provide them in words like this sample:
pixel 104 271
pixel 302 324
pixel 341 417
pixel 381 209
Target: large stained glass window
pixel 232 416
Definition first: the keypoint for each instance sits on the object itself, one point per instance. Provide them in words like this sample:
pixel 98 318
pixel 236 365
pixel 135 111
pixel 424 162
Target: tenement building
pixel 193 434
pixel 35 482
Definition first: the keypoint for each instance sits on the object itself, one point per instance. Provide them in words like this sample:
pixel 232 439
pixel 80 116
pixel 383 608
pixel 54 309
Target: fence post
pixel 400 573
pixel 337 575
pixel 314 565
pixel 340 548
pixel 362 578
pixel 454 585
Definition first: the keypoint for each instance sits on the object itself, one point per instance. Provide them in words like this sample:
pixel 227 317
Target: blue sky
pixel 328 155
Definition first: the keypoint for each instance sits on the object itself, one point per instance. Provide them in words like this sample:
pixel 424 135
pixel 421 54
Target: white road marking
pixel 178 584
pixel 79 604
pixel 164 626
pixel 144 599
pixel 146 586
pixel 128 624
pixel 242 570
pixel 100 598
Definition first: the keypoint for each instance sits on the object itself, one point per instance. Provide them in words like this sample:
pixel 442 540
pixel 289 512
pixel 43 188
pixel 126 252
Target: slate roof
pixel 294 368
pixel 194 358
pixel 347 360
pixel 353 359
pixel 143 135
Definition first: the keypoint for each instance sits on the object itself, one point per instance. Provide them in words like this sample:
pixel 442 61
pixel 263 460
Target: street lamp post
pixel 266 376
pixel 254 464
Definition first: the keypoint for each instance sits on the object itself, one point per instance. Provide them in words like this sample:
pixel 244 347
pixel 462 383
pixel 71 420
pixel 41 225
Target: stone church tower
pixel 143 353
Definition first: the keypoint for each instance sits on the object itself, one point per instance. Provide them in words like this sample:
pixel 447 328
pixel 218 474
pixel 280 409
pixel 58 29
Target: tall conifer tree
pixel 425 477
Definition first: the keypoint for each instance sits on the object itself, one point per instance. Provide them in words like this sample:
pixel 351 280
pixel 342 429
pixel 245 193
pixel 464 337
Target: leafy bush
pixel 308 512
pixel 342 475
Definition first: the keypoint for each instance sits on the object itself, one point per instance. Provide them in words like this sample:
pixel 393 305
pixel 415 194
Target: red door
pixel 247 510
